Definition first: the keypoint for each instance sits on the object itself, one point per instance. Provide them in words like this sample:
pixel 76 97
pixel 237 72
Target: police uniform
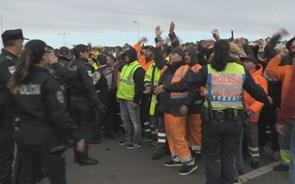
pixel 223 114
pixel 7 67
pixel 37 125
pixel 103 85
pixel 80 85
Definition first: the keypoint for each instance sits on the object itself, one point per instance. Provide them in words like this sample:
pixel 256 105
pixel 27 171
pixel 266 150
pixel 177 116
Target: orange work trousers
pixel 194 131
pixel 175 130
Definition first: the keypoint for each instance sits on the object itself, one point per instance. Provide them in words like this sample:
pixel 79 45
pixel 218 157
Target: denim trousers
pixel 131 119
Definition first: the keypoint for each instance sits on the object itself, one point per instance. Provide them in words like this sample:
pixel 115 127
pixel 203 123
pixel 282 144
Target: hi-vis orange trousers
pixel 194 131
pixel 175 130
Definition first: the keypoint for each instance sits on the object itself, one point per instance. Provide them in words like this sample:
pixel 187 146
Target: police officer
pixel 36 124
pixel 61 66
pixel 222 117
pixel 13 44
pixel 83 95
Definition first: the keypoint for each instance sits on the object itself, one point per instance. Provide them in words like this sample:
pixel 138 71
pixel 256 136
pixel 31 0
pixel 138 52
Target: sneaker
pixel 197 155
pixel 238 180
pixel 123 142
pixel 172 163
pixel 281 167
pixel 133 145
pixel 275 156
pixel 188 169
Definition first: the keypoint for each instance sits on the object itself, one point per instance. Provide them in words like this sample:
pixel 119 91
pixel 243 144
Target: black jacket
pixel 7 68
pixel 194 80
pixel 48 110
pixel 194 99
pixel 80 83
pixel 166 104
pixel 60 69
pixel 101 85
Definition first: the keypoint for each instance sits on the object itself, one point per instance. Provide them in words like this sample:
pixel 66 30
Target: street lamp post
pixel 1 24
pixel 64 34
pixel 1 27
pixel 136 22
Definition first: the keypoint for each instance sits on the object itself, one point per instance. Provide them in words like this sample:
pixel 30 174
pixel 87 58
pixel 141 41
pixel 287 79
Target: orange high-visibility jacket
pixel 286 76
pixel 141 58
pixel 252 104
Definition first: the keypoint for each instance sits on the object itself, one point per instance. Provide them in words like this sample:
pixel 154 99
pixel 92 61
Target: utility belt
pixel 28 135
pixel 229 114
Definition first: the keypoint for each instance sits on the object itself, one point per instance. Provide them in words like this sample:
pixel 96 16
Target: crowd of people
pixel 214 101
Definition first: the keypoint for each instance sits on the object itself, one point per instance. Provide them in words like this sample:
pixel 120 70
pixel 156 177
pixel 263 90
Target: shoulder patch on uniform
pixel 89 73
pixel 9 57
pixel 11 69
pixel 60 97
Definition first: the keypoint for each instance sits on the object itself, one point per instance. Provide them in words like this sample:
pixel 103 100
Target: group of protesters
pixel 214 100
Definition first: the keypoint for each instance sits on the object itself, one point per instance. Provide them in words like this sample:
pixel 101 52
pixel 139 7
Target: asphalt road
pixel 119 165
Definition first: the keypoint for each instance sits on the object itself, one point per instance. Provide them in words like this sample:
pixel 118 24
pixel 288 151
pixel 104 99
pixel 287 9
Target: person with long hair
pixel 224 81
pixel 40 112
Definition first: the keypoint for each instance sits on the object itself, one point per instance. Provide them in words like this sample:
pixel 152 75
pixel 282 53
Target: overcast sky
pixel 111 22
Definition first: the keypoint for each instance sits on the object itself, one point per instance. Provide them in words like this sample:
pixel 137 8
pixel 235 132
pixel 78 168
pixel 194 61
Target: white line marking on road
pixel 258 172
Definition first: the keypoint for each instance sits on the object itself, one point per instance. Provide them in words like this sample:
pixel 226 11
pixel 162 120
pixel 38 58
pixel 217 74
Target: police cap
pixel 13 35
pixel 64 51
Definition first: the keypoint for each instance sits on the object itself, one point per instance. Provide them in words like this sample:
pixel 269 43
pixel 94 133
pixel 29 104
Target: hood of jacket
pixel 132 54
pixel 193 55
pixel 288 45
pixel 257 71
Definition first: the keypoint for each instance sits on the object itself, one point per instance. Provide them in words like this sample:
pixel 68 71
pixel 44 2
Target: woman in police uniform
pixel 224 81
pixel 40 110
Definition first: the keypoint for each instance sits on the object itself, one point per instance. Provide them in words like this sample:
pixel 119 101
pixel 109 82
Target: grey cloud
pixel 262 17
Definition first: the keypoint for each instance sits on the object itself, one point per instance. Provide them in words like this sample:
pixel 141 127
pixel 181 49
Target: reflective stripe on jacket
pixel 126 86
pixel 225 88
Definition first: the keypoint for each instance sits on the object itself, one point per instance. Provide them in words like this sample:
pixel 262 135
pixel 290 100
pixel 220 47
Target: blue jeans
pixel 292 146
pixel 131 118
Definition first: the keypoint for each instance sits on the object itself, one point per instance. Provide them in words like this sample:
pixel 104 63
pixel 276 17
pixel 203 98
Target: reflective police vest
pixel 178 75
pixel 224 89
pixel 126 86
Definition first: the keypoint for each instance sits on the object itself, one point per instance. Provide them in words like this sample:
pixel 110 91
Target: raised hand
pixel 143 40
pixel 158 32
pixel 283 32
pixel 172 27
pixel 215 34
